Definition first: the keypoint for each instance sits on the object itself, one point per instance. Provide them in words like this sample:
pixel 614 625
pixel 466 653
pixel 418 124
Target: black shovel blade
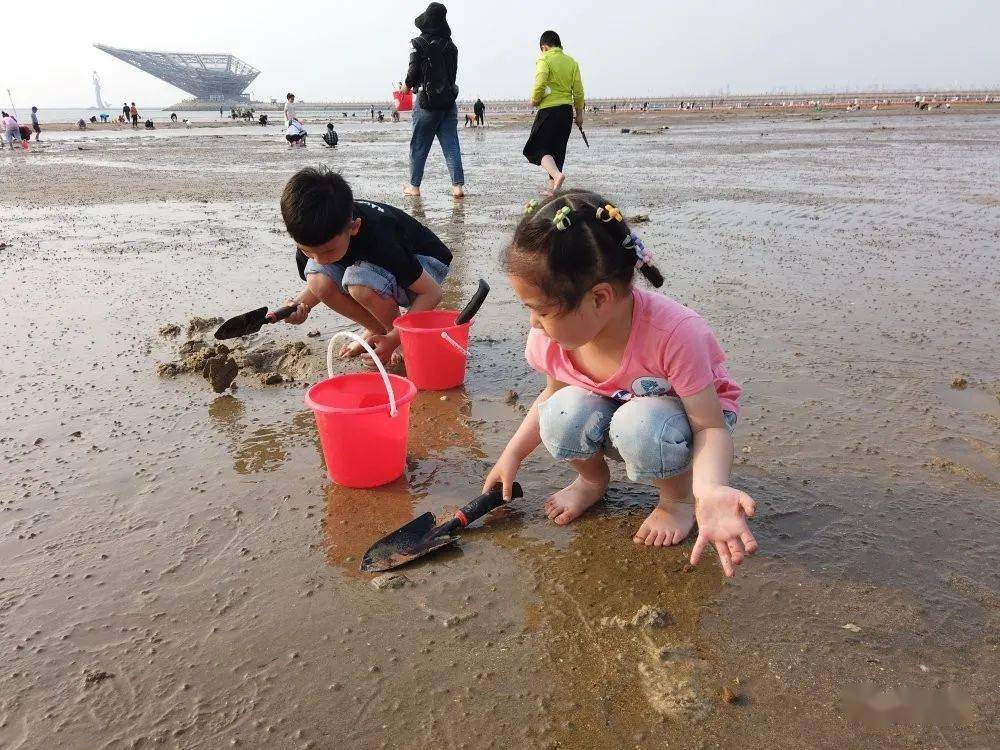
pixel 404 545
pixel 242 325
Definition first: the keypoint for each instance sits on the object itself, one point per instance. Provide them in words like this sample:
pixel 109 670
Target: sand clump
pixel 197 325
pixel 646 617
pixel 267 363
pixel 673 678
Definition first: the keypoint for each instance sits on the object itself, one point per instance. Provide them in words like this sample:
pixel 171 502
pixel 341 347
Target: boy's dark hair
pixel 595 245
pixel 289 95
pixel 317 205
pixel 550 38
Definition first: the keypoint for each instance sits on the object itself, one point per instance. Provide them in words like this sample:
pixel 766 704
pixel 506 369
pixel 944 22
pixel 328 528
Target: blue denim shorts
pixel 377 278
pixel 650 434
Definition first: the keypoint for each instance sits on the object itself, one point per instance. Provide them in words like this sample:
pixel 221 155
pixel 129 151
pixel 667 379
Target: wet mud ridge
pixel 260 363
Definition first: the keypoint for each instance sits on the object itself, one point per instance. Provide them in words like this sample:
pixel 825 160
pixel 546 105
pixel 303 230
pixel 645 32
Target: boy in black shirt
pixel 359 258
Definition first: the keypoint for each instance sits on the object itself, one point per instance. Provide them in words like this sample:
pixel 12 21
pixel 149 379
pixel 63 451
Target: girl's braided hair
pixel 573 240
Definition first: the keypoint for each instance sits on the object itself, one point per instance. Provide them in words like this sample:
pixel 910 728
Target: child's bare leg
pixel 327 292
pixel 673 517
pixel 571 502
pixel 556 177
pixel 383 309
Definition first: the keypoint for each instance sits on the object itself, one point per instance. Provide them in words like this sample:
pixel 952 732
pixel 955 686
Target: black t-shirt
pixel 389 238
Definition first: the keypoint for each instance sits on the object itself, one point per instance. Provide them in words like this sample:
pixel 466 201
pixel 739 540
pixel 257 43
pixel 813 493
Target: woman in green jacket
pixel 558 91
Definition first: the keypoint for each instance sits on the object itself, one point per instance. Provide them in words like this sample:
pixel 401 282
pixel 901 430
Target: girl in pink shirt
pixel 630 374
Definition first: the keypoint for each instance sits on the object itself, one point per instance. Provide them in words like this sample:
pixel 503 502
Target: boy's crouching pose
pixel 362 259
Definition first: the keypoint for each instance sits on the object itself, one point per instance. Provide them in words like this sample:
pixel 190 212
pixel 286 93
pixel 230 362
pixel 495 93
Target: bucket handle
pixel 450 340
pixel 375 359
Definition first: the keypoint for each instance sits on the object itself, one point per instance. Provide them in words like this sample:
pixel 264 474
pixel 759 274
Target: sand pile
pixel 220 364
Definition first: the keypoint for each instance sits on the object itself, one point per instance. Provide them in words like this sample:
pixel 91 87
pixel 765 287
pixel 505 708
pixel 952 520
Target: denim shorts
pixel 650 434
pixel 376 278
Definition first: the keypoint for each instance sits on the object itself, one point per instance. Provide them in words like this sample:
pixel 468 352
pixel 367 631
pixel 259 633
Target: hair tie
pixel 642 256
pixel 530 207
pixel 607 213
pixel 561 218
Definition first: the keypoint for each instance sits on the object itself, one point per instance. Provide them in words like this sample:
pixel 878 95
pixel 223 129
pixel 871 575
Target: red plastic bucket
pixel 363 444
pixel 363 420
pixel 434 348
pixel 404 102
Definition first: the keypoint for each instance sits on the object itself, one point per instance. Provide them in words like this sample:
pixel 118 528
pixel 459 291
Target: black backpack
pixel 438 89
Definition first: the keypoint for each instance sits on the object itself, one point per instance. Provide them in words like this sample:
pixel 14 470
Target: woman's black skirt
pixel 549 134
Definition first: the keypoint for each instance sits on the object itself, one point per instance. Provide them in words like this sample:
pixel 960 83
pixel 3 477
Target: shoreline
pixel 498 120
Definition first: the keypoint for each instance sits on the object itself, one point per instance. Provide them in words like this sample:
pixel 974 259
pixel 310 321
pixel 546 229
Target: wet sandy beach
pixel 177 571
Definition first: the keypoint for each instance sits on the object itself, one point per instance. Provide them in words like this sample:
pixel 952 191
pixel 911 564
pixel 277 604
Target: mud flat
pixel 177 571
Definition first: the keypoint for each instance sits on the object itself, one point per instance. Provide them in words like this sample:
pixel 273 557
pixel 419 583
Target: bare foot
pixel 354 349
pixel 558 182
pixel 569 504
pixel 457 191
pixel 668 524
pixel 410 190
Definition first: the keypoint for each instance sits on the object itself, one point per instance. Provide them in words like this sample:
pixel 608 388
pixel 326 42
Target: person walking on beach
pixel 126 113
pixel 433 68
pixel 373 113
pixel 135 115
pixel 558 89
pixel 35 126
pixel 290 113
pixel 480 109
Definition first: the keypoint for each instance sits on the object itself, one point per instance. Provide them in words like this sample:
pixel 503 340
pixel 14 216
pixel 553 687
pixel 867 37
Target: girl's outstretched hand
pixel 503 472
pixel 722 514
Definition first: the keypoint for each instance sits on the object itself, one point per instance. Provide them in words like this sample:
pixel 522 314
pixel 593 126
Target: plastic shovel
pixel 421 536
pixel 251 322
pixel 469 311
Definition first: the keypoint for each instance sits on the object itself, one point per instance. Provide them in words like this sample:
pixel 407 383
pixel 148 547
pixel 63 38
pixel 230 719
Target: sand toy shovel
pixel 469 311
pixel 421 536
pixel 251 322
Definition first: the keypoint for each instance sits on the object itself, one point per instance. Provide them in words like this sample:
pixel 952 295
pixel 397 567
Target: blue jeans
pixel 428 123
pixel 375 277
pixel 650 434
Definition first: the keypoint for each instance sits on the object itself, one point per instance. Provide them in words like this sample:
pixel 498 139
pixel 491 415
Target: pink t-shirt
pixel 671 351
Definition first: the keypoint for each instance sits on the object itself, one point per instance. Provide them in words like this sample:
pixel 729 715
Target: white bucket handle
pixel 378 364
pixel 450 340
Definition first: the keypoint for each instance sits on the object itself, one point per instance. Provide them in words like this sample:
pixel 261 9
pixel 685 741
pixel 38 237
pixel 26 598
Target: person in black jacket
pixel 480 109
pixel 432 71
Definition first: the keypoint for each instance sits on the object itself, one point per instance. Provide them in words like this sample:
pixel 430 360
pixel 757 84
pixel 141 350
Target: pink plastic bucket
pixel 363 420
pixel 363 444
pixel 434 348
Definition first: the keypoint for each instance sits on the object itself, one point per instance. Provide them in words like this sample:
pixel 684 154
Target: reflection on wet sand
pixel 264 448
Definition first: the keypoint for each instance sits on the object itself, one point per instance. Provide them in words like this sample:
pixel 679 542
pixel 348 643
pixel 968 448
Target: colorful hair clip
pixel 642 256
pixel 530 206
pixel 607 213
pixel 561 218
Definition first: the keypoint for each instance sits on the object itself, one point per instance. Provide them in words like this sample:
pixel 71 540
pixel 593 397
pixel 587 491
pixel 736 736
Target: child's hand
pixel 301 312
pixel 503 472
pixel 722 514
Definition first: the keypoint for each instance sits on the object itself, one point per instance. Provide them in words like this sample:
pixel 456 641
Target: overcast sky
pixel 331 51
